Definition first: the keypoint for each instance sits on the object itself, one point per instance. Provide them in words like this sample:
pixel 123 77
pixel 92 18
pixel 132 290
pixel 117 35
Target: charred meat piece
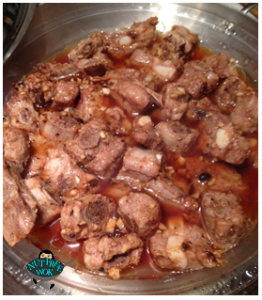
pixel 175 102
pixel 198 109
pixel 178 43
pixel 58 126
pixel 224 218
pixel 96 149
pixel 21 113
pixel 184 247
pixel 222 177
pixel 117 121
pixel 65 95
pixel 245 114
pixel 112 254
pixel 145 134
pixel 140 213
pixel 86 217
pixel 91 102
pixel 222 64
pixel 123 42
pixel 48 208
pixel 223 140
pixel 163 69
pixel 170 192
pixel 64 180
pixel 19 208
pixel 227 93
pixel 177 137
pixel 140 166
pixel 16 148
pixel 198 79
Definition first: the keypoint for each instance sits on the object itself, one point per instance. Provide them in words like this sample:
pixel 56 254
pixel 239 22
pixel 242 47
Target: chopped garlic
pixel 114 273
pixel 181 160
pixel 144 120
pixel 111 224
pixel 125 40
pixel 222 138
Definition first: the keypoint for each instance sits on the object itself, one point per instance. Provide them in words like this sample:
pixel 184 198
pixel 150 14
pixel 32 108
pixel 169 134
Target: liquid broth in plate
pixel 49 236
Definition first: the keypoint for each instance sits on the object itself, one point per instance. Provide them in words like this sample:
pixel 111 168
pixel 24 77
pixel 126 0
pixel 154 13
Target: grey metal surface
pixel 56 27
pixel 19 28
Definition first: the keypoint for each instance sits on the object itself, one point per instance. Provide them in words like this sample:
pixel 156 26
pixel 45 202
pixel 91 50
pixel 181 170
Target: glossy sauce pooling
pixel 49 236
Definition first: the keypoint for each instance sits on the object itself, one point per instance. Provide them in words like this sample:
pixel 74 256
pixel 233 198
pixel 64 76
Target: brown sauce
pixel 49 236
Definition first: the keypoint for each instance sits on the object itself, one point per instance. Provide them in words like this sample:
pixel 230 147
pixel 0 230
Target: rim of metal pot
pixel 25 14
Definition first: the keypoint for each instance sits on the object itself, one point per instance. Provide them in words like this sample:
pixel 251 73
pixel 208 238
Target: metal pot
pixel 220 29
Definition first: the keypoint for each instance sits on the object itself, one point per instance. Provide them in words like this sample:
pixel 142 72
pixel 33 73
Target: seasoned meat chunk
pixel 112 254
pixel 123 42
pixel 245 113
pixel 175 102
pixel 222 64
pixel 223 140
pixel 55 71
pixel 227 92
pixel 218 176
pixel 86 217
pixel 16 148
pixel 96 149
pixel 132 96
pixel 35 165
pixel 164 69
pixel 48 208
pixel 224 218
pixel 117 121
pixel 177 137
pixel 140 213
pixel 64 180
pixel 139 166
pixel 91 102
pixel 58 126
pixel 19 208
pixel 65 95
pixel 145 134
pixel 179 42
pixel 96 66
pixel 138 76
pixel 183 248
pixel 198 79
pixel 169 192
pixel 86 48
pixel 39 87
pixel 198 109
pixel 21 114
